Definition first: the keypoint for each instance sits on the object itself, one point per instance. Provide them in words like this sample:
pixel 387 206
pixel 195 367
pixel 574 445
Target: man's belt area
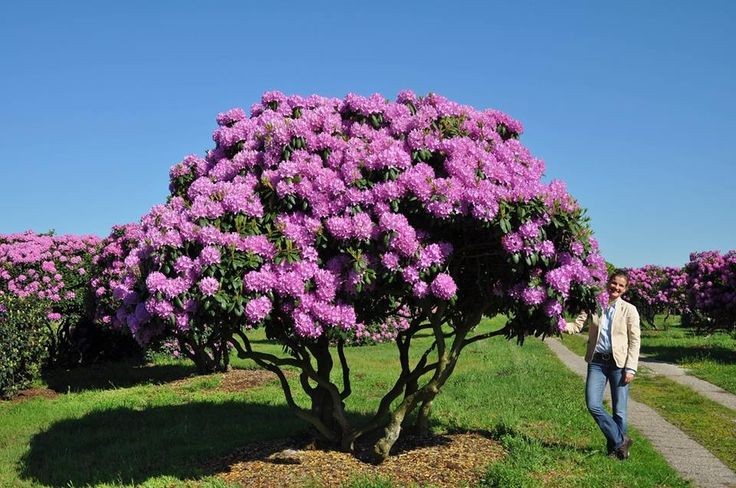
pixel 602 357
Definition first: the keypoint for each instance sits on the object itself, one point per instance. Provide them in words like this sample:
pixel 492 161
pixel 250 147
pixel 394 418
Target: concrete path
pixel 686 456
pixel 678 374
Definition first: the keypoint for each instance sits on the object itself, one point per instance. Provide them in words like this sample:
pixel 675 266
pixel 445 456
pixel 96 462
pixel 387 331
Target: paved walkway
pixel 676 373
pixel 686 456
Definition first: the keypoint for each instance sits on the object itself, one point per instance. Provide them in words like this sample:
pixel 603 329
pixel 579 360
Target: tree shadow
pixel 127 445
pixel 108 376
pixel 685 353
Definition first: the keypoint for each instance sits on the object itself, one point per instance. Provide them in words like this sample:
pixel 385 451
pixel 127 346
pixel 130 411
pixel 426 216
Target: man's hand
pixel 628 377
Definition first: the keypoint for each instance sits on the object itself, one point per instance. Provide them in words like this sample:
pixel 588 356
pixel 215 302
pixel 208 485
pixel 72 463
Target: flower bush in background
pixel 110 268
pixel 658 290
pixel 55 271
pixel 711 284
pixel 330 222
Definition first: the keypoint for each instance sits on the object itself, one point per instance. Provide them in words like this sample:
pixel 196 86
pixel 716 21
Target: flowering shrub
pixel 711 282
pixel 109 338
pixel 55 270
pixel 329 222
pixel 110 266
pixel 657 290
pixel 24 340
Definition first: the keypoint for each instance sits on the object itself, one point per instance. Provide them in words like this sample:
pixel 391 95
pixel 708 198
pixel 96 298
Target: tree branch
pixel 346 389
pixel 487 335
pixel 262 359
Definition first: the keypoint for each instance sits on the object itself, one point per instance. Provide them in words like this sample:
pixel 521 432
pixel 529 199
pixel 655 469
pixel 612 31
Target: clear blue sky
pixel 632 103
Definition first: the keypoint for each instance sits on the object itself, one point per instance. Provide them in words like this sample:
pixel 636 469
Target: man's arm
pixel 577 326
pixel 634 332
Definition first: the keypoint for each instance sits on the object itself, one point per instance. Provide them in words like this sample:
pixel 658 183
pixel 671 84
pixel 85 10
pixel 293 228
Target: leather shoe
pixel 623 450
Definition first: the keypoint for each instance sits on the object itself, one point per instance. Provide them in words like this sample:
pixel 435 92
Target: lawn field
pixel 157 426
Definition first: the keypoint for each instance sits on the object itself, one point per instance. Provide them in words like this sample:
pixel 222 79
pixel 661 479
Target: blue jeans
pixel 613 427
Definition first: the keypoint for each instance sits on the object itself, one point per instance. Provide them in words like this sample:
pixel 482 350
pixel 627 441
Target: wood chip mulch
pixel 236 380
pixel 30 393
pixel 456 459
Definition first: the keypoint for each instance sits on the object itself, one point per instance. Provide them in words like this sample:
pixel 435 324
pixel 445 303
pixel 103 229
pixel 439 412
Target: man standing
pixel 612 356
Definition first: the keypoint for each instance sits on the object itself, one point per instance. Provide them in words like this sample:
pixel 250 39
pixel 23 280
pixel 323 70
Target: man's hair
pixel 619 272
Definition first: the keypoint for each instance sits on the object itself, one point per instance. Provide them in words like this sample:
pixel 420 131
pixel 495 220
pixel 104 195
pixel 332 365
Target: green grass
pixel 139 429
pixel 711 357
pixel 710 424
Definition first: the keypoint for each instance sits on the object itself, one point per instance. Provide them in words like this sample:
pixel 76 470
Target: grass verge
pixel 711 357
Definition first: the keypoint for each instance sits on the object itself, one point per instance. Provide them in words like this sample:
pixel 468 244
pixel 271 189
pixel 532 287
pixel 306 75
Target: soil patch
pixel 235 380
pixel 242 379
pixel 456 459
pixel 29 393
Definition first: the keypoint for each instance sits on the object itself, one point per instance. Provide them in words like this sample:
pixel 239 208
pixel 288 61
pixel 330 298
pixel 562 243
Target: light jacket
pixel 625 333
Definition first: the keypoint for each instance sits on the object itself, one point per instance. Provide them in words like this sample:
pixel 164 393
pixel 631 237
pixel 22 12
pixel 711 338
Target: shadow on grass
pixel 114 375
pixel 688 352
pixel 129 446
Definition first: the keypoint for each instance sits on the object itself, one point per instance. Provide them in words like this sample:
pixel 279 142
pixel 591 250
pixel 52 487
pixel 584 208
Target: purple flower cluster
pixel 657 289
pixel 51 268
pixel 711 283
pixel 112 271
pixel 311 207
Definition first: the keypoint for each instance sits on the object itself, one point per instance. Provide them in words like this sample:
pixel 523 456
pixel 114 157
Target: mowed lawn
pixel 710 356
pixel 120 425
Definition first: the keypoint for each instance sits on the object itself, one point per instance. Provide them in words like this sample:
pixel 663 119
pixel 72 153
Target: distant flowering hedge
pixel 711 283
pixel 658 290
pixel 53 272
pixel 53 269
pixel 335 221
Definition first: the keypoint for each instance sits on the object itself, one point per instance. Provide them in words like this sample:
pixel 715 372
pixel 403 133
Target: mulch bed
pixel 456 459
pixel 30 393
pixel 236 380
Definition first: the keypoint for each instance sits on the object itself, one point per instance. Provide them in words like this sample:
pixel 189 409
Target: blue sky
pixel 631 103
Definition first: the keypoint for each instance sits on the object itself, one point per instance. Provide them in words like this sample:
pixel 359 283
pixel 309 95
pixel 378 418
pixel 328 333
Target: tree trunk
pixel 422 423
pixel 327 405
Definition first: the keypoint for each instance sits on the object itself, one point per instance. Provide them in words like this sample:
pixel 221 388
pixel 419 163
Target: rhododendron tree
pixel 109 268
pixel 657 290
pixel 55 270
pixel 711 284
pixel 330 222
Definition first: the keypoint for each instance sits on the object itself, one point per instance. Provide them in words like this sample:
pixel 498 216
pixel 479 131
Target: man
pixel 612 356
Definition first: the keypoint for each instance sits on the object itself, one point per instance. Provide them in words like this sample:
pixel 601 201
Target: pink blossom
pixel 443 286
pixel 209 286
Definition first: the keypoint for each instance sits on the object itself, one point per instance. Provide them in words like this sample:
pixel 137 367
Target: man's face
pixel 616 287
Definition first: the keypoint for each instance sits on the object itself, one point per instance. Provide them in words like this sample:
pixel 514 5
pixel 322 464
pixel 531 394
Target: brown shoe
pixel 622 451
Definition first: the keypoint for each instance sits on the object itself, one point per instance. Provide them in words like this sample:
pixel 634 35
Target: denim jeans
pixel 612 426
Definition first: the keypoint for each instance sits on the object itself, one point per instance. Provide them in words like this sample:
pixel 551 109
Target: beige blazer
pixel 625 333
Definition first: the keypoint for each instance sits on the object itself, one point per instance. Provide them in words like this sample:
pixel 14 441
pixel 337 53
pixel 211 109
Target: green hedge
pixel 24 338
